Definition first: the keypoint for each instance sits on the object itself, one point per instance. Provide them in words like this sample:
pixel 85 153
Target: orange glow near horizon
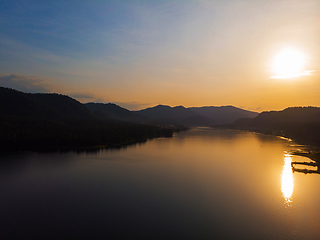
pixel 255 55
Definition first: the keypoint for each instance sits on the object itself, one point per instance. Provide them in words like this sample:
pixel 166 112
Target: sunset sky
pixel 142 53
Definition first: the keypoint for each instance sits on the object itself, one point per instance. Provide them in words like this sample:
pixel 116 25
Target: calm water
pixel 200 184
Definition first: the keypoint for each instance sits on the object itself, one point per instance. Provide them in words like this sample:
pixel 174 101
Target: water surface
pixel 200 184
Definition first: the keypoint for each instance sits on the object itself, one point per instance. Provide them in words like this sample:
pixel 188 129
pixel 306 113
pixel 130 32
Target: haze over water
pixel 200 184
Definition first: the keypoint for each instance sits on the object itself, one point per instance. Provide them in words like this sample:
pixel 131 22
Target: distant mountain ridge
pixel 224 114
pixel 299 123
pixel 57 106
pixel 164 111
pixel 54 121
pixel 113 111
pixel 196 116
pixel 179 115
pixel 59 120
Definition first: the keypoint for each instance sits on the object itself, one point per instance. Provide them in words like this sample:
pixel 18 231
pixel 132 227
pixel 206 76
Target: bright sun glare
pixel 289 63
pixel 287 179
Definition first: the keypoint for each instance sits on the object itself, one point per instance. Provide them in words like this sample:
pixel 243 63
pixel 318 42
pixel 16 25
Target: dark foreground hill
pixel 40 106
pixel 299 123
pixel 57 121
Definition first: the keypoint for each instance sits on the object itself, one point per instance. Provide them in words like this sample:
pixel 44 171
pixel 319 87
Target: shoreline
pixel 307 150
pixel 93 148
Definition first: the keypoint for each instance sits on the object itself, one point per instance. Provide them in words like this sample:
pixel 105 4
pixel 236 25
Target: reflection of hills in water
pixel 87 150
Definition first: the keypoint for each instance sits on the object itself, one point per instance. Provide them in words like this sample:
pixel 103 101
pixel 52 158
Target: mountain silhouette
pixel 33 121
pixel 224 114
pixel 57 120
pixel 178 115
pixel 57 106
pixel 290 115
pixel 299 123
pixel 163 111
pixel 49 106
pixel 195 116
pixel 113 111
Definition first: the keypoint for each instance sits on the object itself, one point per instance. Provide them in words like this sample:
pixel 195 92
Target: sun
pixel 289 63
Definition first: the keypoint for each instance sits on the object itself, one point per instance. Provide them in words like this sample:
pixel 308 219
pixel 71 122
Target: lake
pixel 199 184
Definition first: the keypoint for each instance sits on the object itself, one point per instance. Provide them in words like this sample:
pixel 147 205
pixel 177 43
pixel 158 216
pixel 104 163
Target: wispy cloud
pixel 31 84
pixel 82 95
pixel 85 97
pixel 305 73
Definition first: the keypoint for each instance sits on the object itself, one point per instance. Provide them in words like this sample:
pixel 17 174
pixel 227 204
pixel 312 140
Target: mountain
pixel 56 106
pixel 50 106
pixel 178 115
pixel 163 111
pixel 195 116
pixel 299 123
pixel 224 114
pixel 33 121
pixel 290 115
pixel 113 111
pixel 55 120
pixel 275 119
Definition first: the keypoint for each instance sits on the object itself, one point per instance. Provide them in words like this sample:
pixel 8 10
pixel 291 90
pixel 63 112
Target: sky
pixel 142 53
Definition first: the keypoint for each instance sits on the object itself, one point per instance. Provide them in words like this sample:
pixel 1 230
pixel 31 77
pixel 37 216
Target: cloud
pixel 257 109
pixel 254 109
pixel 85 97
pixel 82 96
pixel 30 84
pixel 305 73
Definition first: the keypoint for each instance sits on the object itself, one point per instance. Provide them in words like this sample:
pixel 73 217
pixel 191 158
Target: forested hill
pixel 57 106
pixel 290 115
pixel 163 111
pixel 299 123
pixel 178 115
pixel 224 114
pixel 195 116
pixel 113 111
pixel 55 121
pixel 44 106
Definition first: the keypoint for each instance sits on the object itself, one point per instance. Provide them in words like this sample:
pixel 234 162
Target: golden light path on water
pixel 287 179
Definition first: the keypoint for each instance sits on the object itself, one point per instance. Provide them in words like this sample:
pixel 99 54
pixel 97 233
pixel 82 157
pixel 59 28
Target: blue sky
pixel 142 53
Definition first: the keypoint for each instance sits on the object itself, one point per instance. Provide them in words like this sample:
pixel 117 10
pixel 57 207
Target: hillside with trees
pixel 58 121
pixel 113 111
pixel 301 124
pixel 195 116
pixel 29 120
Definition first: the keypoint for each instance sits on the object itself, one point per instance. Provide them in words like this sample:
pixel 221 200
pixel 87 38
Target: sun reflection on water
pixel 287 179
